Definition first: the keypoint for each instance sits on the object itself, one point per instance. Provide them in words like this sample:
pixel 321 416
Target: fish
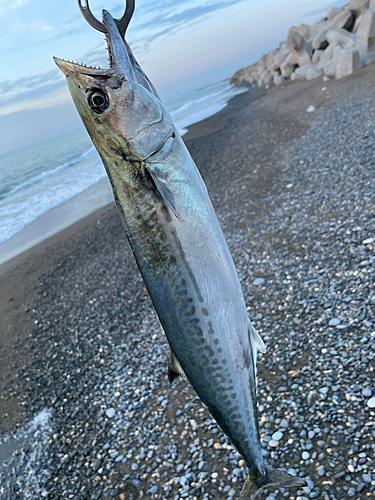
pixel 177 242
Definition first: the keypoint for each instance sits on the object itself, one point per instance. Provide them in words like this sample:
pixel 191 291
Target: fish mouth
pixel 119 56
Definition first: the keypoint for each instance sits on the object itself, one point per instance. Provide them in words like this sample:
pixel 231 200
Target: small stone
pixel 110 412
pixel 122 496
pixel 259 281
pixel 311 109
pixel 289 186
pixel 154 490
pixel 334 322
pixel 368 241
pixel 321 472
pixel 277 436
pixel 366 478
pixel 305 455
pixel 273 443
pixel 371 403
pixel 366 392
pixel 232 492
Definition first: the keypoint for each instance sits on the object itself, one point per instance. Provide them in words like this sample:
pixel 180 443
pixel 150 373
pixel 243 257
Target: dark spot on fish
pixel 224 361
pixel 192 310
pixel 215 361
pixel 216 341
pixel 166 213
pixel 233 396
pixel 172 259
pixel 190 300
pixel 204 311
pixel 221 377
pixel 209 349
pixel 183 282
pixel 195 320
pixel 219 349
pixel 199 332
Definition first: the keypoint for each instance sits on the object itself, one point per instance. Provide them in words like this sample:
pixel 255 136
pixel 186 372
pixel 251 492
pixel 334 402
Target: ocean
pixel 37 178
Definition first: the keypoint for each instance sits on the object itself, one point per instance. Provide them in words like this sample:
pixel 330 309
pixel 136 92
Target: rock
pixel 311 109
pixel 366 36
pixel 277 436
pixel 320 40
pixel 366 392
pixel 333 11
pixel 299 48
pixel 283 48
pixel 110 412
pixel 304 30
pixel 341 37
pixel 307 72
pixel 349 61
pixel 358 6
pixel 316 56
pixel 368 241
pixel 286 69
pixel 273 443
pixel 259 281
pixel 305 455
pixel 357 23
pixel 343 20
pixel 371 403
pixel 366 478
pixel 278 79
pixel 265 79
pixel 334 322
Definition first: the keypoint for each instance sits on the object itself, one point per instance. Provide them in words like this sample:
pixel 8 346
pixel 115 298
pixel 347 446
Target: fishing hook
pixel 121 23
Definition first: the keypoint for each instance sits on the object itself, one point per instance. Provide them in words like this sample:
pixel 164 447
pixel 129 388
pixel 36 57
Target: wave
pixel 50 173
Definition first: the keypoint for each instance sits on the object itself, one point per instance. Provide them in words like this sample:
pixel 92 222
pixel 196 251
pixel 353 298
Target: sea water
pixel 37 178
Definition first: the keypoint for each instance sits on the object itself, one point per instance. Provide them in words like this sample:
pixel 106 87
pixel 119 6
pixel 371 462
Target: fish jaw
pixel 134 123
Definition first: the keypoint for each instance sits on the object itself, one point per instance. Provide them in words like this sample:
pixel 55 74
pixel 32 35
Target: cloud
pixel 29 27
pixel 56 98
pixel 6 6
pixel 23 88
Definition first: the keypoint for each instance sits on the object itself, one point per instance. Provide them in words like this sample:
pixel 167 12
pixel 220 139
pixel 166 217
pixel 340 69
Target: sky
pixel 181 45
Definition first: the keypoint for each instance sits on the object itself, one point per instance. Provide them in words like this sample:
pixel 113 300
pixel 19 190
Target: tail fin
pixel 275 478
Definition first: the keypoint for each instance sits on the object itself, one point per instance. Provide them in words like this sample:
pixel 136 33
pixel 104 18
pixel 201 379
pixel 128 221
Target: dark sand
pixel 237 152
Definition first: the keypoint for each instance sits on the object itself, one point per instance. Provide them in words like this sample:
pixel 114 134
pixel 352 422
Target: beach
pixel 82 349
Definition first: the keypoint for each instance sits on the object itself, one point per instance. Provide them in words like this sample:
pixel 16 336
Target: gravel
pixel 115 429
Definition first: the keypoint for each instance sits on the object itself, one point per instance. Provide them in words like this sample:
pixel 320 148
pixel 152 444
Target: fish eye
pixel 98 100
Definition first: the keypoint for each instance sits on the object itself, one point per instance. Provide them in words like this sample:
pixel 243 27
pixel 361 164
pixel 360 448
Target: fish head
pixel 119 106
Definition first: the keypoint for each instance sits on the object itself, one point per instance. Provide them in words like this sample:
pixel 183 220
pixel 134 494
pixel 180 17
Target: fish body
pixel 178 244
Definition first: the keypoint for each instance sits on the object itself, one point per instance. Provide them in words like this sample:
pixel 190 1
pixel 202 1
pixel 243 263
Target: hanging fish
pixel 177 242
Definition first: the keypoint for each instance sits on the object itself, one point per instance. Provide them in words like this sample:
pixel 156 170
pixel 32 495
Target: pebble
pixel 277 436
pixel 259 281
pixel 334 322
pixel 273 443
pixel 110 412
pixel 305 455
pixel 311 108
pixel 371 402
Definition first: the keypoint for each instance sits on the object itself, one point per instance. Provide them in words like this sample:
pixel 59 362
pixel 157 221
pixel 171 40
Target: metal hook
pixel 121 23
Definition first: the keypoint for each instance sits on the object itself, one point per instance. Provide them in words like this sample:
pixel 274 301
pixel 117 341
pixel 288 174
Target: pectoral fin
pixel 162 185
